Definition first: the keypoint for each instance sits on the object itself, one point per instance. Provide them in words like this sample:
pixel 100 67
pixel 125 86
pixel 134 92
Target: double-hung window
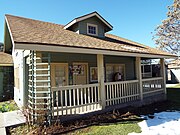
pixel 92 29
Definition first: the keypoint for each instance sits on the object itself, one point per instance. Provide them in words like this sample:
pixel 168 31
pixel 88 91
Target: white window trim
pixel 89 24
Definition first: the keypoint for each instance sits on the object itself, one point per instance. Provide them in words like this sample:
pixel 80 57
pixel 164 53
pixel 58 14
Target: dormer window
pixel 92 29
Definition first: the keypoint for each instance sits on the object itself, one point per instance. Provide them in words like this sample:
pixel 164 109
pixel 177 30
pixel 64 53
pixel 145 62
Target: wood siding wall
pixel 92 61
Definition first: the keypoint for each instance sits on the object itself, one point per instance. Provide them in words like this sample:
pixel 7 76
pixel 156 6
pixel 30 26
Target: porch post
pixel 100 65
pixel 139 76
pixel 162 64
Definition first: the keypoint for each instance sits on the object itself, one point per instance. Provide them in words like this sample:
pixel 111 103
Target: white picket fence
pixel 75 99
pixel 121 92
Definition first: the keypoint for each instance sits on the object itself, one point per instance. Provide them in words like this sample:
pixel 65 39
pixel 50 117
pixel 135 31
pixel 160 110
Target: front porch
pixel 50 99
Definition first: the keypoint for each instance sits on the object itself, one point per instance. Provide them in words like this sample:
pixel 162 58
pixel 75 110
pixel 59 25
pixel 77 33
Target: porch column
pixel 100 65
pixel 163 74
pixel 139 76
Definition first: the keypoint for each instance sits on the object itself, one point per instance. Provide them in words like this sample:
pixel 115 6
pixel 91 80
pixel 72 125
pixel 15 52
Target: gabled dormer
pixel 91 24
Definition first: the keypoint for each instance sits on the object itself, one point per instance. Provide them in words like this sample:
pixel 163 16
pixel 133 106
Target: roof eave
pixel 72 49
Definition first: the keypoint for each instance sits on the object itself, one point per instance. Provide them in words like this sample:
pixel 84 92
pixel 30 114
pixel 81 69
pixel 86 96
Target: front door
pixel 59 74
pixel 80 75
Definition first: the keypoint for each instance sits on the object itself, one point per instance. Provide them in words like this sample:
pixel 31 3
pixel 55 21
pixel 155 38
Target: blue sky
pixel 131 19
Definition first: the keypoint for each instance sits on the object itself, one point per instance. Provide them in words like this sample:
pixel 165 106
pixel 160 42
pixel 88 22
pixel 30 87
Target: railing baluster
pixel 82 108
pixel 85 98
pixel 89 98
pixel 75 99
pixel 92 96
pixel 121 88
pixel 65 98
pixel 107 95
pixel 115 91
pixel 70 100
pixel 110 93
pixel 78 99
pixel 57 100
pixel 96 95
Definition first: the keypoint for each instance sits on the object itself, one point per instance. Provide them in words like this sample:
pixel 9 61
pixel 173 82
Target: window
pixel 146 68
pixel 150 68
pixel 59 74
pixel 92 29
pixel 112 70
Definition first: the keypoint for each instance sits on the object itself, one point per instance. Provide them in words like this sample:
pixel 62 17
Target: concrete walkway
pixel 171 85
pixel 10 119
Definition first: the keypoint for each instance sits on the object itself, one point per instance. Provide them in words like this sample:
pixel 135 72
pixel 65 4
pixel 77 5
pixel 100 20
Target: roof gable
pixel 81 18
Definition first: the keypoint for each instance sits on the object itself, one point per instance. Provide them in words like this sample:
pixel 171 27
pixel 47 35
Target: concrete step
pixel 3 131
pixel 13 118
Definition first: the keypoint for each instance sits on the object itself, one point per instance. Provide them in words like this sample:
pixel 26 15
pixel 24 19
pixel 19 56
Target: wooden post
pixel 100 65
pixel 139 76
pixel 162 64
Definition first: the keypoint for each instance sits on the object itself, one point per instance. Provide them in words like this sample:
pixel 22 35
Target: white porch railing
pixel 75 99
pixel 152 86
pixel 121 92
pixel 79 99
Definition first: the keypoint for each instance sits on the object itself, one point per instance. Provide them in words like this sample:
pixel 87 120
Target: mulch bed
pixel 115 116
pixel 121 115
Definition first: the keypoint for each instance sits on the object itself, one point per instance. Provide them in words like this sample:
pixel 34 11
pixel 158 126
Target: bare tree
pixel 167 34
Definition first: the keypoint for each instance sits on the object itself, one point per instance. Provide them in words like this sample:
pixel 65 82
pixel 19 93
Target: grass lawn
pixel 177 86
pixel 8 106
pixel 110 129
pixel 173 95
pixel 174 86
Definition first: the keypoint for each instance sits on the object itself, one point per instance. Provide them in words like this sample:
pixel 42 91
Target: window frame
pixel 53 80
pixel 92 25
pixel 116 64
pixel 146 74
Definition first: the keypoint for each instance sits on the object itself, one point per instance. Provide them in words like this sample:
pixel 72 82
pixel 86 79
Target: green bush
pixel 8 106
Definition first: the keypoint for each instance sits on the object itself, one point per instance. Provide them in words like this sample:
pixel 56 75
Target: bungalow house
pixel 77 68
